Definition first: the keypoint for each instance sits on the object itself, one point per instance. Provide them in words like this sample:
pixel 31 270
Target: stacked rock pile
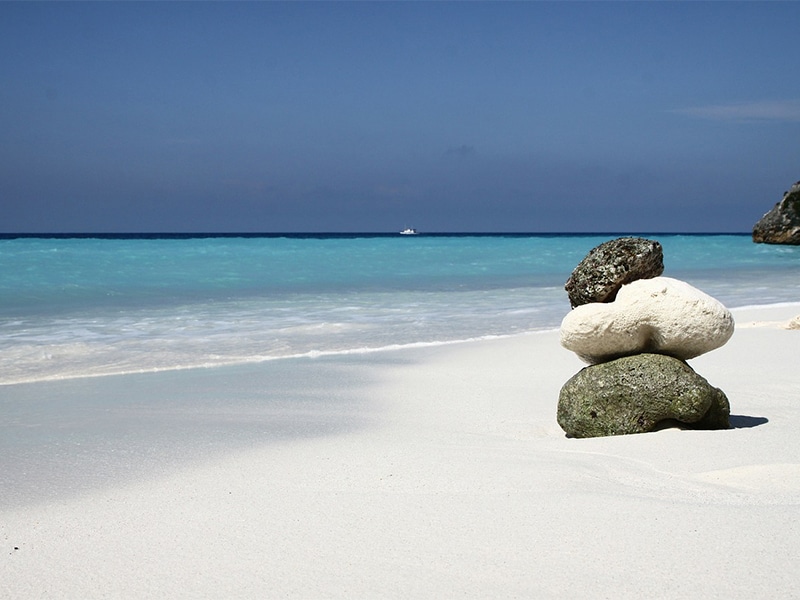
pixel 636 329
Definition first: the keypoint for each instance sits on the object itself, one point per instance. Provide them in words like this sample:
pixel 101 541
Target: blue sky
pixel 376 116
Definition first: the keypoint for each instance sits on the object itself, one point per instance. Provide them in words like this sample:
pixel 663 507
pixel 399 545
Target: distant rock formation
pixel 635 393
pixel 661 315
pixel 781 225
pixel 609 266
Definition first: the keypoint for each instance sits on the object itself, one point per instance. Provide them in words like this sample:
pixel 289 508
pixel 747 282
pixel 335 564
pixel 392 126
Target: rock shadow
pixel 746 422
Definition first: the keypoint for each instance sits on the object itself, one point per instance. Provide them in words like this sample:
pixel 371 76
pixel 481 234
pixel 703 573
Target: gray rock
pixel 635 394
pixel 609 266
pixel 781 225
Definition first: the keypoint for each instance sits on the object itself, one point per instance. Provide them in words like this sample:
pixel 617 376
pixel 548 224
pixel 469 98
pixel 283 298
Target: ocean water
pixel 89 306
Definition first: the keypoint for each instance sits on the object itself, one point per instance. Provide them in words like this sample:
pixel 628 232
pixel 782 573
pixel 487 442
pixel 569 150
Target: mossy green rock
pixel 635 394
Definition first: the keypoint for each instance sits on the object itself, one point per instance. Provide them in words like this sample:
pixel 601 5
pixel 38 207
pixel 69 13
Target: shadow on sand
pixel 746 422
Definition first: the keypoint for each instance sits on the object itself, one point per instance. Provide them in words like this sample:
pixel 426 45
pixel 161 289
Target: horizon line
pixel 256 234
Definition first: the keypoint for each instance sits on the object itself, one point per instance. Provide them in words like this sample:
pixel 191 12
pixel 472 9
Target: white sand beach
pixel 421 473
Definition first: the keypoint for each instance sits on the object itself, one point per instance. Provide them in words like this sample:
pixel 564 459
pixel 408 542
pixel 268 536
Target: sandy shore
pixel 426 473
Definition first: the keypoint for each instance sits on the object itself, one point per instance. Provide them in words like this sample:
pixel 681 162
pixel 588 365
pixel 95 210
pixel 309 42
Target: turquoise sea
pixel 93 305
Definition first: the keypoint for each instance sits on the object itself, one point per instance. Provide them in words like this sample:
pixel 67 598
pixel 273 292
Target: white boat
pixel 408 231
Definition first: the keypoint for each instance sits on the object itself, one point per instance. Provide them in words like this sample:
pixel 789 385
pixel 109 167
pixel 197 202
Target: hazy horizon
pixel 370 117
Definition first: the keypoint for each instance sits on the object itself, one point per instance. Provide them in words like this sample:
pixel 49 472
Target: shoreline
pixel 315 354
pixel 424 472
pixel 310 355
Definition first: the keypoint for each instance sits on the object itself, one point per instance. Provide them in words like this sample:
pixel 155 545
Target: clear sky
pixel 542 117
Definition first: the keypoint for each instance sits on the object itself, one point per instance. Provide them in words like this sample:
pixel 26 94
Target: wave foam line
pixel 765 306
pixel 311 354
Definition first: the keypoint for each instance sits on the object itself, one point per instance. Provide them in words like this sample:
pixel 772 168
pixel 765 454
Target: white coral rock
pixel 659 315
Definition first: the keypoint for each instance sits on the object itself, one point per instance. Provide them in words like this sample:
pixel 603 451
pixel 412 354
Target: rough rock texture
pixel 794 323
pixel 607 267
pixel 635 394
pixel 661 315
pixel 781 225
